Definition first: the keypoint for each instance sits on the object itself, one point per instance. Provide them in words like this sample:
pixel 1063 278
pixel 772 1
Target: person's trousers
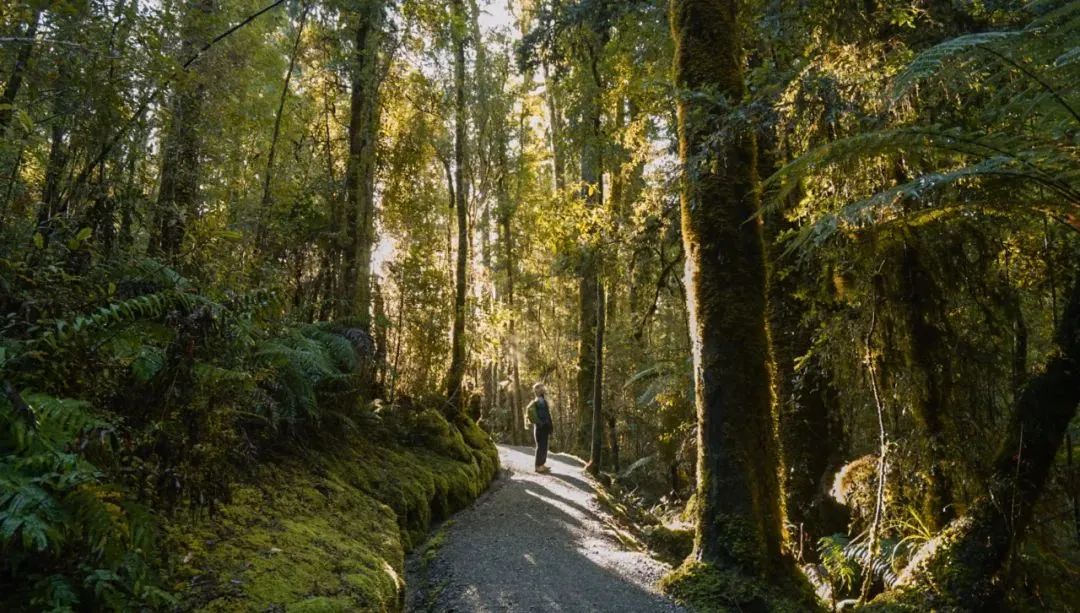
pixel 541 433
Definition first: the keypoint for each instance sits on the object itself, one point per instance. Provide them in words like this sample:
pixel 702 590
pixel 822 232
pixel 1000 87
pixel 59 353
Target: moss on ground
pixel 328 531
pixel 706 587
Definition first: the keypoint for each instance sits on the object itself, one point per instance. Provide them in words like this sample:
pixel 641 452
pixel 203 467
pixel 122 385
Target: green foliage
pixel 74 538
pixel 841 568
pixel 305 363
pixel 924 171
pixel 1010 139
pixel 175 390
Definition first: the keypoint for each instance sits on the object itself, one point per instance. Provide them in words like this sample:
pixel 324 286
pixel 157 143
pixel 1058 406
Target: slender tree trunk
pixel 179 189
pixel 505 214
pixel 54 171
pixel 597 437
pixel 267 199
pixel 399 335
pixel 555 127
pixel 379 333
pixel 517 434
pixel 739 521
pixel 457 358
pixel 592 193
pixel 360 171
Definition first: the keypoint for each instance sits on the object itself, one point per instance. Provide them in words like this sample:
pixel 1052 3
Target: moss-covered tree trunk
pixel 739 522
pixel 966 564
pixel 928 359
pixel 360 169
pixel 457 352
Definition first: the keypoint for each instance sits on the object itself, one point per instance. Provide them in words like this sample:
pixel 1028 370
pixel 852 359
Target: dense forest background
pixel 801 278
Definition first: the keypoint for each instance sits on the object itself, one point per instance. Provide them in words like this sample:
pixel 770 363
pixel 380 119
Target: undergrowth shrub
pixel 166 390
pixel 72 537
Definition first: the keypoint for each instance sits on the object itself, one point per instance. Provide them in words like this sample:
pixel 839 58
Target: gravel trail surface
pixel 533 543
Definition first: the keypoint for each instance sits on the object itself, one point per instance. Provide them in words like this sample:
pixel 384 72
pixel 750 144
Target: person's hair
pixel 538 388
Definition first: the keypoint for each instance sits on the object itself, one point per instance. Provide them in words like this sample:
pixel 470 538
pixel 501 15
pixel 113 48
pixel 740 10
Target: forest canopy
pixel 802 280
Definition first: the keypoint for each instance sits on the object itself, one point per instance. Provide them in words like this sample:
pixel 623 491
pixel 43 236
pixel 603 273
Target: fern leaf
pixel 930 62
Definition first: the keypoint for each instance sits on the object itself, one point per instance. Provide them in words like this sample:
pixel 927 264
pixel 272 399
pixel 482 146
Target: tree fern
pixel 1020 158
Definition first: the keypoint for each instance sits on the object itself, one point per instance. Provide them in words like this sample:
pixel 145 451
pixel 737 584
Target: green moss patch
pixel 706 587
pixel 328 531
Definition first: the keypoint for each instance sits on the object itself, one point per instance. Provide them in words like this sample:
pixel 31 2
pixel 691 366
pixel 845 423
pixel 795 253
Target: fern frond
pixel 339 348
pixel 146 306
pixel 61 419
pixel 930 61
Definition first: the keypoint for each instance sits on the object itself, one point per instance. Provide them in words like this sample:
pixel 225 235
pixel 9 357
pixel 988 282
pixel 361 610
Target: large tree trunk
pixel 927 358
pixel 180 151
pixel 739 522
pixel 360 169
pixel 457 356
pixel 965 565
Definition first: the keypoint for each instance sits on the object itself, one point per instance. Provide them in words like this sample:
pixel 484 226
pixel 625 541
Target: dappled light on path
pixel 534 543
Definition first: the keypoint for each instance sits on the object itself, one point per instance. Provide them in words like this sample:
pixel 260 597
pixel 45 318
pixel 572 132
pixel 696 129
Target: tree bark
pixel 364 109
pixel 517 435
pixel 739 522
pixel 555 127
pixel 457 358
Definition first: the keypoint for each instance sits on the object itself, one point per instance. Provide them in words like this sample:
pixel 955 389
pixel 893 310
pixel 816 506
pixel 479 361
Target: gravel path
pixel 533 543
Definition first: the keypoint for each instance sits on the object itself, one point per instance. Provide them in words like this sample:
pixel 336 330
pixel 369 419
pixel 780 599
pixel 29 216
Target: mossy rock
pixel 328 530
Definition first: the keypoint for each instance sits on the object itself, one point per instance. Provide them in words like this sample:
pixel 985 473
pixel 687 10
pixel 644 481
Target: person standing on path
pixel 539 415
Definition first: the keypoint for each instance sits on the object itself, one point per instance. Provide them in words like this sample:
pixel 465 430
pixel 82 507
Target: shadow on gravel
pixel 553 458
pixel 555 500
pixel 581 484
pixel 533 545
